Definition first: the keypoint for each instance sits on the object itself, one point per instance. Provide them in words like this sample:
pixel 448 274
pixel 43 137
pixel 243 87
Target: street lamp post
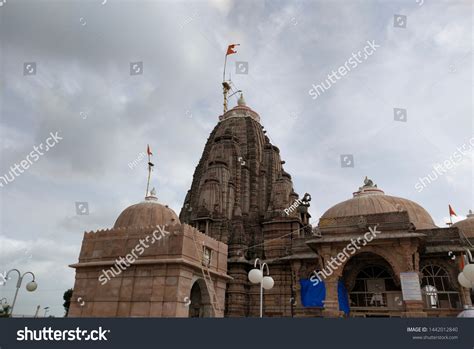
pixel 45 311
pixel 30 286
pixel 266 282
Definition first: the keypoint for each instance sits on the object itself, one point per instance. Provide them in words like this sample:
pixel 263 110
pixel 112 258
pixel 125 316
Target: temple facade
pixel 372 255
pixel 242 196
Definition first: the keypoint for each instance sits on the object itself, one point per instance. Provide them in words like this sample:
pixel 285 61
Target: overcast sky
pixel 82 89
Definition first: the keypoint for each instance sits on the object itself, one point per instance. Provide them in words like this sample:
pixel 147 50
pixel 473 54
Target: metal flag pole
pixel 225 64
pixel 149 170
pixel 225 85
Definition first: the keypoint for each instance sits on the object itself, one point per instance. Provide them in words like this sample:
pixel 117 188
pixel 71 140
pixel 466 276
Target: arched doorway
pixel 200 305
pixel 437 289
pixel 373 288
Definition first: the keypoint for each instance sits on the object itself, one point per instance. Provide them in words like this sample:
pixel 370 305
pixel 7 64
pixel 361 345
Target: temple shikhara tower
pixel 238 195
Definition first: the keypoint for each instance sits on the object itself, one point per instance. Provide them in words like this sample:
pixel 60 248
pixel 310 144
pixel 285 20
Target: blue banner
pixel 313 294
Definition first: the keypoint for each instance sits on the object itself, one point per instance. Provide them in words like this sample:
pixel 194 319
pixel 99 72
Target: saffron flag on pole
pixel 230 49
pixel 451 211
pixel 148 151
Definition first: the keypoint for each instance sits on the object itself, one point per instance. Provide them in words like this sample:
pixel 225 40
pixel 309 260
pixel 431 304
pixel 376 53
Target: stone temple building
pixel 242 206
pixel 173 270
pixel 240 195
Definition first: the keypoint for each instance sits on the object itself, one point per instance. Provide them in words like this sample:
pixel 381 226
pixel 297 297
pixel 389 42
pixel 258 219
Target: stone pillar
pixel 331 303
pixel 237 298
pixel 296 288
pixel 411 264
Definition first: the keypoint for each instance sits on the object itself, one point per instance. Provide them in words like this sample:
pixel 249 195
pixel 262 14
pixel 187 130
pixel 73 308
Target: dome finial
pixel 152 195
pixel 368 183
pixel 241 100
pixel 368 188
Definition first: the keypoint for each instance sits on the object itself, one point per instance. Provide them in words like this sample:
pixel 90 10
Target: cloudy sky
pixel 81 88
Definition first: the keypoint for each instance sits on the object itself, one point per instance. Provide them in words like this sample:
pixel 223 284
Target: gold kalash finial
pixel 226 85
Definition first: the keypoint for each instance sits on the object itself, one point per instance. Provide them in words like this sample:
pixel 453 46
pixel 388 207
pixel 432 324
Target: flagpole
pixel 149 175
pixel 225 85
pixel 225 64
pixel 451 213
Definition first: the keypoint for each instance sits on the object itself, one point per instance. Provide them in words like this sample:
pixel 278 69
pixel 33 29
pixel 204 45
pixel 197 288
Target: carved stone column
pixel 296 289
pixel 412 308
pixel 331 303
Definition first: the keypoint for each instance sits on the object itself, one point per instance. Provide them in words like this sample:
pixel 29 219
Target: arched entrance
pixel 200 305
pixel 373 288
pixel 437 288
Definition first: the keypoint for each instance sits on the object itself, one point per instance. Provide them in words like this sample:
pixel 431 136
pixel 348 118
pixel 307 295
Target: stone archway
pixel 390 256
pixel 372 284
pixel 200 300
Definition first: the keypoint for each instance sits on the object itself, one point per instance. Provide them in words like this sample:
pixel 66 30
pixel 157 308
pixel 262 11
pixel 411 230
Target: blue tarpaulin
pixel 313 295
pixel 343 297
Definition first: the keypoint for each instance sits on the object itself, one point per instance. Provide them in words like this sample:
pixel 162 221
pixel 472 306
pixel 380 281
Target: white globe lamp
pixel 464 281
pixel 469 272
pixel 255 276
pixel 268 282
pixel 31 286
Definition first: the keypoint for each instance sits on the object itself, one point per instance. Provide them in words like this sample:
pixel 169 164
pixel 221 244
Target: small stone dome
pixel 466 226
pixel 371 200
pixel 145 214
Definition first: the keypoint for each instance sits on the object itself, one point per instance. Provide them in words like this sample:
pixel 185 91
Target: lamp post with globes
pixel 30 286
pixel 266 282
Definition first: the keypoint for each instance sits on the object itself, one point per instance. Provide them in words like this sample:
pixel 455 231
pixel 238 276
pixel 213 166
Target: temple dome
pixel 371 200
pixel 466 226
pixel 145 214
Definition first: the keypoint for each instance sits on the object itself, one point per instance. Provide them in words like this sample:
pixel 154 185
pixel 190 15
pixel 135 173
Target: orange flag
pixel 451 211
pixel 148 150
pixel 230 49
